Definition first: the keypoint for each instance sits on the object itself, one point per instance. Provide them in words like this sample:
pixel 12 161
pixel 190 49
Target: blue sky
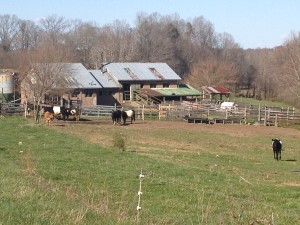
pixel 252 23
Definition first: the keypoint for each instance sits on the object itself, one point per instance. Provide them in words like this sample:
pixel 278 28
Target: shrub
pixel 119 141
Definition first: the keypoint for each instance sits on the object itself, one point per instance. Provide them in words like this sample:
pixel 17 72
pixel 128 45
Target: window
pixel 166 85
pixel 88 93
pixel 152 85
pixel 75 93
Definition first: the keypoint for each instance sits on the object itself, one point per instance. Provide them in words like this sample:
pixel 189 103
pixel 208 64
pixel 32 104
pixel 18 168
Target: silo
pixel 6 86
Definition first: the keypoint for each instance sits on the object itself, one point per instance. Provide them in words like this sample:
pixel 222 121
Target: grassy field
pixel 78 173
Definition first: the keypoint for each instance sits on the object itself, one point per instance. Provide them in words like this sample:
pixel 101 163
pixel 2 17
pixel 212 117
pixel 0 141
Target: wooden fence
pixel 142 112
pixel 98 110
pixel 191 112
pixel 11 109
pixel 242 114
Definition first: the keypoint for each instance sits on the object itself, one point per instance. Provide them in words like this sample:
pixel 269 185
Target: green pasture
pixel 51 177
pixel 262 103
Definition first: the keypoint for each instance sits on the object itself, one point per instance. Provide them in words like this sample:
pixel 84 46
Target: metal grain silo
pixel 6 85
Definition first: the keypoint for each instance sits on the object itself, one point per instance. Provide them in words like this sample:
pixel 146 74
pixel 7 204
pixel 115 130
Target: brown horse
pixel 277 147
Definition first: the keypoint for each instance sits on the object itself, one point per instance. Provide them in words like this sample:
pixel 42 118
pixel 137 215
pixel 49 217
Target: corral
pixel 192 112
pixel 199 112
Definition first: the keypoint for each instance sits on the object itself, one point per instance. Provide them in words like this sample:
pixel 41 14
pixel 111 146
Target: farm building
pixel 149 82
pixel 211 92
pixel 182 92
pixel 115 83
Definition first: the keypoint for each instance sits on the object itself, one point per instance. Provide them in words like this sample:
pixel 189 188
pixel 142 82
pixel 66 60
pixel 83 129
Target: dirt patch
pixel 291 184
pixel 100 131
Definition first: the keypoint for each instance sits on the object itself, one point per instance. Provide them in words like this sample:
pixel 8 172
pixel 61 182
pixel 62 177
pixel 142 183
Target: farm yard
pixel 76 173
pixel 206 119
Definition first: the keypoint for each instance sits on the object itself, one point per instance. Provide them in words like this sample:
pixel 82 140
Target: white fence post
pixel 139 207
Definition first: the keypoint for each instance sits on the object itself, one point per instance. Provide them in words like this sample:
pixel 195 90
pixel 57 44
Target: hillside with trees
pixel 192 48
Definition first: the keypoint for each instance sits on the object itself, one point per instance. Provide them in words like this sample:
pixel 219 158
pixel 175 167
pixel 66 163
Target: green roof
pixel 182 90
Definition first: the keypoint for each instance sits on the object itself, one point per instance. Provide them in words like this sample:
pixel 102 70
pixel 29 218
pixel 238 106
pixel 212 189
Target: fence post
pixel 293 111
pixel 25 112
pixel 265 121
pixel 287 116
pixel 139 207
pixel 159 109
pixel 143 110
pixel 258 119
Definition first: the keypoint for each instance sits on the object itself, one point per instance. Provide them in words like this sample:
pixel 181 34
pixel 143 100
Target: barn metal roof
pixel 141 71
pixel 104 79
pixel 116 72
pixel 216 90
pixel 180 91
pixel 184 90
pixel 81 78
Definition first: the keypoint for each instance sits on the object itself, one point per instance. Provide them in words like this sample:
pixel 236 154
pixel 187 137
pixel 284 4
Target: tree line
pixel 192 48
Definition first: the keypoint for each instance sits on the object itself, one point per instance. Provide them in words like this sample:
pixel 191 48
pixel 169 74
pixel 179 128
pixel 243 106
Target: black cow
pixel 128 114
pixel 277 147
pixel 116 116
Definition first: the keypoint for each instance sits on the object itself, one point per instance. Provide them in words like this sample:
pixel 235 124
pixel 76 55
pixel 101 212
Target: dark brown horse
pixel 277 147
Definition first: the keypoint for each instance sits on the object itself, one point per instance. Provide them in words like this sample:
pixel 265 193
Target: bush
pixel 119 141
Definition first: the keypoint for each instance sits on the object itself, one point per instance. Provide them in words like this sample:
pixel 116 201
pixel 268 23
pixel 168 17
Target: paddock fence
pixel 12 109
pixel 98 110
pixel 104 111
pixel 243 113
pixel 192 112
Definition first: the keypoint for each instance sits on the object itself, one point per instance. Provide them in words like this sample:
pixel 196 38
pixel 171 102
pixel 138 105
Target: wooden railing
pixel 145 99
pixel 98 110
pixel 11 108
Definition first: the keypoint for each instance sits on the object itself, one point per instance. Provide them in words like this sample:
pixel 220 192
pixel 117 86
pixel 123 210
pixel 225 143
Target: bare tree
pixel 53 28
pixel 203 36
pixel 212 72
pixel 288 67
pixel 28 35
pixel 144 27
pixel 46 73
pixel 266 85
pixel 85 36
pixel 8 31
pixel 115 43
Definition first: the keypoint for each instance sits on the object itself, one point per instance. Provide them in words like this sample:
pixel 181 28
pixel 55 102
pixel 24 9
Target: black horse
pixel 116 116
pixel 277 147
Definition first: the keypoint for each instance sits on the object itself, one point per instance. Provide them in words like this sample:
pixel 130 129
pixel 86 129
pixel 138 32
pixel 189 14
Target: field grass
pixel 262 103
pixel 75 173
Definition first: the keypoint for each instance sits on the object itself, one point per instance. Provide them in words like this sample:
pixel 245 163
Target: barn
pixel 148 82
pixel 91 87
pixel 116 83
